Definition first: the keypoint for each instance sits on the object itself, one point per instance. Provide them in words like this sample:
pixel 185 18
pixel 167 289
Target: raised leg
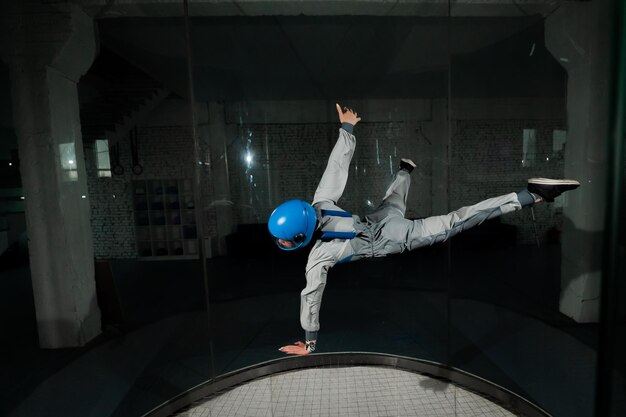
pixel 394 202
pixel 431 230
pixel 400 234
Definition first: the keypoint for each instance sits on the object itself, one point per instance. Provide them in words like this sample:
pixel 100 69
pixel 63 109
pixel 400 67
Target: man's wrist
pixel 311 339
pixel 347 127
pixel 310 345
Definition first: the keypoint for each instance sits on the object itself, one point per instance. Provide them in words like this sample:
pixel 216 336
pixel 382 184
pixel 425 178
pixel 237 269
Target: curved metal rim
pixel 500 395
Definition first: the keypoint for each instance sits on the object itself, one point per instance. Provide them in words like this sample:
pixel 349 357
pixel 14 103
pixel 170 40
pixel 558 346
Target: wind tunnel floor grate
pixel 350 391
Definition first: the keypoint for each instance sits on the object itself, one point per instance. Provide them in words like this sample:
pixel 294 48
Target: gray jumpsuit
pixel 381 233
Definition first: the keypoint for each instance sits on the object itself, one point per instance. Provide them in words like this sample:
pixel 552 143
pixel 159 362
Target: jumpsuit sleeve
pixel 311 296
pixel 335 176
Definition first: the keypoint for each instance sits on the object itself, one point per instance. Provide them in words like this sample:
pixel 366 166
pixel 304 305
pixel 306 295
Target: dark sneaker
pixel 549 189
pixel 407 165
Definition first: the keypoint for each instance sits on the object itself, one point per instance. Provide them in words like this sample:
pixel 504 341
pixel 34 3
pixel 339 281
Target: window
pixel 103 163
pixel 67 155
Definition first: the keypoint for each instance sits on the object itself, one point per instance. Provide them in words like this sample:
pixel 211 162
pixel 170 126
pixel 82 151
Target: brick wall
pixel 111 209
pixel 287 161
pixel 165 152
pixel 487 161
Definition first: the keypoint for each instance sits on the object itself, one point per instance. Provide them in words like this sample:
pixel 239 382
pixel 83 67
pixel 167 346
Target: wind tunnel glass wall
pixel 270 124
pixel 480 102
pixel 97 164
pixel 529 98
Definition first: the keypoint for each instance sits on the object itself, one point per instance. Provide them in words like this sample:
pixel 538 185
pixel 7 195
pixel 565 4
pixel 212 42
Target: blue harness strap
pixel 328 235
pixel 338 235
pixel 335 213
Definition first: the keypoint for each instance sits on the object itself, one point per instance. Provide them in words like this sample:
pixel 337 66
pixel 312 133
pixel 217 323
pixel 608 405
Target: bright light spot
pixel 10 164
pixel 281 220
pixel 547 159
pixel 369 203
pixel 563 59
pixel 70 161
pixel 248 158
pixel 83 196
pixel 22 198
pixel 113 195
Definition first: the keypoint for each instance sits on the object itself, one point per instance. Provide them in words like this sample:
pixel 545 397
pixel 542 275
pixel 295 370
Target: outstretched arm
pixel 311 301
pixel 335 176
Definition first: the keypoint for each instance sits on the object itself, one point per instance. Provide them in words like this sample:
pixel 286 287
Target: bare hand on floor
pixel 298 348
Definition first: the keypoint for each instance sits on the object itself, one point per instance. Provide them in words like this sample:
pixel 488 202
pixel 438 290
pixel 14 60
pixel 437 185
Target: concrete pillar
pixel 48 48
pixel 218 139
pixel 577 36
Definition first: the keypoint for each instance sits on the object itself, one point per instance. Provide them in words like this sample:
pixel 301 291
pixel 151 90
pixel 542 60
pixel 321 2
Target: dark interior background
pixel 190 285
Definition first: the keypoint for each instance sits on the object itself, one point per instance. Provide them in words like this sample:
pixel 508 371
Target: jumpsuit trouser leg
pixel 435 229
pixel 400 234
pixel 394 201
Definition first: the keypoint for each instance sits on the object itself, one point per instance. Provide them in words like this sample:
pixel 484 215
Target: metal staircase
pixel 114 97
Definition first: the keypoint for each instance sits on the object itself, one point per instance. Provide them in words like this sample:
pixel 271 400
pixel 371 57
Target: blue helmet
pixel 292 224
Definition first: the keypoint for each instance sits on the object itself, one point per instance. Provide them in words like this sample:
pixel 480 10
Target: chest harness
pixel 330 235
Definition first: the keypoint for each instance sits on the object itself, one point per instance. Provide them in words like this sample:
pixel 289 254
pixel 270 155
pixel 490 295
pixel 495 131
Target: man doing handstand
pixel 343 237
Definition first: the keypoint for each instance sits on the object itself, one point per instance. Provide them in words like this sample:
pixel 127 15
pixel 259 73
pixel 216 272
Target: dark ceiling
pixel 303 57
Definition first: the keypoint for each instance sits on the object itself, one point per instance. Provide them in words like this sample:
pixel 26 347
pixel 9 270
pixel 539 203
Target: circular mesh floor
pixel 353 391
